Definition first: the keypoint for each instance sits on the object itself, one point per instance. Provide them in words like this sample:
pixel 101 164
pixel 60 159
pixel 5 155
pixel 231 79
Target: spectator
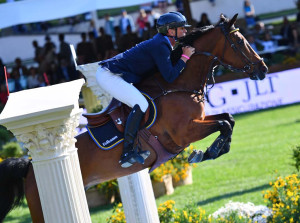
pixel 152 18
pixel 252 42
pixel 104 44
pixel 162 5
pixel 129 40
pixel 2 75
pixel 19 69
pixel 92 28
pixel 3 94
pixel 20 82
pixel 66 72
pixel 212 2
pixel 204 21
pixel 37 52
pixel 41 81
pixel 64 49
pixel 179 6
pixel 53 74
pixel 289 33
pixel 85 51
pixel 32 80
pixel 109 26
pixel 269 46
pixel 49 43
pixel 249 13
pixel 92 40
pixel 48 56
pixel 141 22
pixel 118 36
pixel 126 20
pixel 259 30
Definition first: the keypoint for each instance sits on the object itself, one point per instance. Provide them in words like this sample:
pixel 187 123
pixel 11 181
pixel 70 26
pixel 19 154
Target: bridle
pixel 214 62
pixel 217 61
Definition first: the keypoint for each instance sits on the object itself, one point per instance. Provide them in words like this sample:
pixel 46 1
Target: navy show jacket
pixel 137 63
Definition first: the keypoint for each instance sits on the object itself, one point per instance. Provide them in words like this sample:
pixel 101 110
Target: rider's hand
pixel 188 50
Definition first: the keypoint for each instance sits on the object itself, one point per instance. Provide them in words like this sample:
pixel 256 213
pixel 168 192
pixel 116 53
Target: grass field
pixel 260 151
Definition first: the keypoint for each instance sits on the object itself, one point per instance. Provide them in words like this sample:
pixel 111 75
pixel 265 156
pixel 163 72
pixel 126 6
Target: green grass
pixel 260 151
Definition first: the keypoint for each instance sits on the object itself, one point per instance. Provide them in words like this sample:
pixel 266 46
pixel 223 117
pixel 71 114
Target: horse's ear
pixel 233 20
pixel 222 18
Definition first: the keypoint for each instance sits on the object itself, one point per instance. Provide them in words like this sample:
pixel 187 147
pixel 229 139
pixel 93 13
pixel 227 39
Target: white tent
pixel 28 11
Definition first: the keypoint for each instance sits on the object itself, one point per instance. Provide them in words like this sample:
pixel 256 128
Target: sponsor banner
pixel 246 95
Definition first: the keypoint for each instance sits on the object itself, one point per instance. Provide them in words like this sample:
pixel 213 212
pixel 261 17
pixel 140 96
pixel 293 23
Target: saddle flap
pixel 118 113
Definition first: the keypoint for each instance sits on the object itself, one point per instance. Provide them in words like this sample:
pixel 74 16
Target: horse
pixel 180 119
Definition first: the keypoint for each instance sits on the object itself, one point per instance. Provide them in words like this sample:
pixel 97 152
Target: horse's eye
pixel 240 41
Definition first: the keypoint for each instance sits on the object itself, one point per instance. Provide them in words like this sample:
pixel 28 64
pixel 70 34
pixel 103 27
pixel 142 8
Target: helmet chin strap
pixel 174 37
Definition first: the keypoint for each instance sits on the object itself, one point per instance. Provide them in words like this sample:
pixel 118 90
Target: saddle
pixel 115 111
pixel 106 128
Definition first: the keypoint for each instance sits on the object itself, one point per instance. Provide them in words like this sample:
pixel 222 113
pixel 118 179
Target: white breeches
pixel 120 89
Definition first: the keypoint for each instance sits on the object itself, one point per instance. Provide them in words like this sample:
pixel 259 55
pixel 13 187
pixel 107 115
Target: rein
pixel 166 92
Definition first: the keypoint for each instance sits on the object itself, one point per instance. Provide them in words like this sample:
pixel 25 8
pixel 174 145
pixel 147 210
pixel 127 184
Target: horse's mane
pixel 190 38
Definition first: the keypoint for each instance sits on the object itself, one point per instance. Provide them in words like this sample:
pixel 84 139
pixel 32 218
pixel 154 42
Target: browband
pixel 237 29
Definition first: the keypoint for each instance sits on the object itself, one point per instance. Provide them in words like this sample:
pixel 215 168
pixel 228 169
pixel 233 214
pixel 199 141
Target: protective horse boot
pixel 132 153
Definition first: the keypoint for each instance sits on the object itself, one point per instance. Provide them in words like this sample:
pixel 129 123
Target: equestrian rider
pixel 116 76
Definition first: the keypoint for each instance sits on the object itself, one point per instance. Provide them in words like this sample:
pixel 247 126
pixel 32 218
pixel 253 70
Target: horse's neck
pixel 194 76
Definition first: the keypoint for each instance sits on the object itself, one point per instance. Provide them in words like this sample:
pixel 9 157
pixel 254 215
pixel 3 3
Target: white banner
pixel 246 95
pixel 28 11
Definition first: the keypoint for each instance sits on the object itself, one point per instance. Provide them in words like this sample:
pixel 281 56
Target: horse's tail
pixel 12 172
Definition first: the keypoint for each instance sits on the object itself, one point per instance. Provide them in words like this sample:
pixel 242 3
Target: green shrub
pixel 11 149
pixel 284 200
pixel 5 135
pixel 97 109
pixel 296 157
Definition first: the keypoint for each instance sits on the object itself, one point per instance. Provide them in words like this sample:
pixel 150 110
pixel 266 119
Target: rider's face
pixel 181 31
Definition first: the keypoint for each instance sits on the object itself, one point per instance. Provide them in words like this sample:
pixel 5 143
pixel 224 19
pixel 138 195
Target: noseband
pixel 237 50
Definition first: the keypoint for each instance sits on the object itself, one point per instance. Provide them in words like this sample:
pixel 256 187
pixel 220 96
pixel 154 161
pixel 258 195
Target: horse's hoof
pixel 196 156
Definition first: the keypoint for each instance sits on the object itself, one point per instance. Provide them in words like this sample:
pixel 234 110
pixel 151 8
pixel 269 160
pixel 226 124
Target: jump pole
pixel 136 189
pixel 44 120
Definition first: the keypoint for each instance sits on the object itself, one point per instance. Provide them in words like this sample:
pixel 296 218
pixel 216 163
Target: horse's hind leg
pixel 32 197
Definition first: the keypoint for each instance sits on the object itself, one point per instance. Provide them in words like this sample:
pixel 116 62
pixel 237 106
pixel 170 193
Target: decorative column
pixel 89 71
pixel 44 119
pixel 138 198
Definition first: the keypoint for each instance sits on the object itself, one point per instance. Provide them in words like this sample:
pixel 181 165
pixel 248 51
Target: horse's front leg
pixel 207 127
pixel 228 117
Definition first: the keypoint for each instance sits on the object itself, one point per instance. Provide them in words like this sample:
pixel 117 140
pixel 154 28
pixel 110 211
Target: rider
pixel 116 75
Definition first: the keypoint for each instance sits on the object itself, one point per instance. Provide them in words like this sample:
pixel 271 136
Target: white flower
pixel 248 210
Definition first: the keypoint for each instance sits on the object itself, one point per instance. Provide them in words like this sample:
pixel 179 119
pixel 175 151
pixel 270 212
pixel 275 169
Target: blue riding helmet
pixel 170 20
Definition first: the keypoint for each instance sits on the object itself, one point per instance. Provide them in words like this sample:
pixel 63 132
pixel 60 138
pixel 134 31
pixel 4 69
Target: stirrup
pixel 128 159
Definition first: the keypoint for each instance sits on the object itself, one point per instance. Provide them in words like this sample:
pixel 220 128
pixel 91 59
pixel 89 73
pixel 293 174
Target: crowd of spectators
pixel 54 64
pixel 265 39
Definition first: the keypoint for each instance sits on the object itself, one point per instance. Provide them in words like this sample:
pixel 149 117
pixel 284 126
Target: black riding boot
pixel 131 153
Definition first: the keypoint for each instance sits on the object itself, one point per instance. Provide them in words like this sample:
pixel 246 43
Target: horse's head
pixel 224 45
pixel 237 54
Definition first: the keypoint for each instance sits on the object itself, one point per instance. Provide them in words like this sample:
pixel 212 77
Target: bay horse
pixel 180 118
